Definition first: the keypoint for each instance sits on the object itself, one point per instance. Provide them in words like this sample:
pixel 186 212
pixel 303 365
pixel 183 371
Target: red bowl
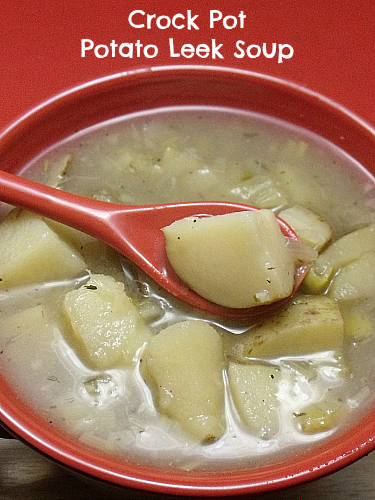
pixel 149 88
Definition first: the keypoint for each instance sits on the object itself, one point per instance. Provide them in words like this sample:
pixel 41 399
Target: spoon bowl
pixel 136 232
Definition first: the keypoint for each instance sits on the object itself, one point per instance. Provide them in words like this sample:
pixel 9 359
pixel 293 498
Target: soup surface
pixel 181 154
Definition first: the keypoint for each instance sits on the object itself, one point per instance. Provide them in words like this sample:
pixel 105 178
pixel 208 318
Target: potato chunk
pixel 312 229
pixel 254 391
pixel 183 367
pixel 346 249
pixel 311 324
pixel 340 254
pixel 358 320
pixel 356 280
pixel 32 253
pixel 105 322
pixel 235 260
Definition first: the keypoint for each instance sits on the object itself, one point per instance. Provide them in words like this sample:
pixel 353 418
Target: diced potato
pixel 355 281
pixel 358 321
pixel 32 253
pixel 310 324
pixel 346 249
pixel 260 191
pixel 183 366
pixel 236 260
pixel 105 322
pixel 312 229
pixel 99 257
pixel 319 417
pixel 254 391
pixel 73 237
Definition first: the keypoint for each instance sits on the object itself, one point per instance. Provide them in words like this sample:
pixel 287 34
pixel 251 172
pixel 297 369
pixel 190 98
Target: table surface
pixel 40 56
pixel 26 475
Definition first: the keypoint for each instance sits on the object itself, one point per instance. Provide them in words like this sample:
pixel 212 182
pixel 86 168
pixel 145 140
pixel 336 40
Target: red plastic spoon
pixel 133 230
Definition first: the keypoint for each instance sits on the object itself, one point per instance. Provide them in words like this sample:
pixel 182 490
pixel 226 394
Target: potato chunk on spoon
pixel 136 232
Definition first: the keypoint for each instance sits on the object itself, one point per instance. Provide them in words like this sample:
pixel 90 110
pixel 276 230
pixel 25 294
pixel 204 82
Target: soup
pixel 110 401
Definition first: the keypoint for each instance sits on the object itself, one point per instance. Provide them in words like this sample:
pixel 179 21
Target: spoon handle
pixel 80 212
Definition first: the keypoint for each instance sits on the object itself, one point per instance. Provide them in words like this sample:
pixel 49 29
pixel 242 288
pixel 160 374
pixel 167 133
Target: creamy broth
pixel 169 155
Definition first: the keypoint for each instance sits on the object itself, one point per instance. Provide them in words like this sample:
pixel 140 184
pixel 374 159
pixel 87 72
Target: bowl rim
pixel 30 428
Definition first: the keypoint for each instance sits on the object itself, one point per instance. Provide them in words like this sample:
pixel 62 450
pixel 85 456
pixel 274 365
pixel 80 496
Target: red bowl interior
pixel 146 89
